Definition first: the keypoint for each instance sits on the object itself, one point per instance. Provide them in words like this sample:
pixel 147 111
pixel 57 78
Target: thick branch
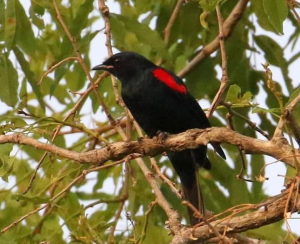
pixel 188 140
pixel 270 211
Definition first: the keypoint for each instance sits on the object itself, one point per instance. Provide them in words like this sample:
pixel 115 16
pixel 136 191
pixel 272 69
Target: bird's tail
pixel 184 165
pixel 218 149
pixel 195 197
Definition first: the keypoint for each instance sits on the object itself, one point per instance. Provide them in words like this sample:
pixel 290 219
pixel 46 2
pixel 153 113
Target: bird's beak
pixel 103 67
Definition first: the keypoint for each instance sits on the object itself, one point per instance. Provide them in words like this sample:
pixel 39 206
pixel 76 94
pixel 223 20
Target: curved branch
pixel 190 139
pixel 267 212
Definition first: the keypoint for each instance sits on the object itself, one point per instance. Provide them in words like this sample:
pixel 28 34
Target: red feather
pixel 166 78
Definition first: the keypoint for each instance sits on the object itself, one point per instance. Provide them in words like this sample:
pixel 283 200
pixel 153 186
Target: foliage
pixel 32 41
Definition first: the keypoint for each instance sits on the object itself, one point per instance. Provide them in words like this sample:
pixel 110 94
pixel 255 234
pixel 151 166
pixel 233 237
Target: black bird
pixel 160 102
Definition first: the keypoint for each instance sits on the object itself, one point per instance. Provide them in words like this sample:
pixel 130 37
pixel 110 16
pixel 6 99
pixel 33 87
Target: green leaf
pixel 208 5
pixel 277 11
pixel 18 122
pixel 41 5
pixel 268 233
pixel 295 94
pixel 10 24
pixel 233 94
pixel 83 9
pixel 261 15
pixel 2 14
pixel 198 78
pixel 30 76
pixel 9 82
pixel 130 34
pixel 154 233
pixel 265 111
pixel 6 162
pixel 36 12
pixel 75 6
pixel 52 231
pixel 24 33
pixel 36 200
pixel 296 110
pixel 246 98
pixel 5 149
pixel 273 52
pixel 66 208
pixel 6 166
pixel 256 163
pixel 203 21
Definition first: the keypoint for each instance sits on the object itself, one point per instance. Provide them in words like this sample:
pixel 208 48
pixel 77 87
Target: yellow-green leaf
pixel 9 82
pixel 10 24
pixel 277 12
pixel 35 199
pixel 233 94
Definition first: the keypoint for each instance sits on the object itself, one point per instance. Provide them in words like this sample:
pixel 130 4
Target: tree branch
pixel 228 27
pixel 291 120
pixel 267 212
pixel 172 19
pixel 224 79
pixel 190 139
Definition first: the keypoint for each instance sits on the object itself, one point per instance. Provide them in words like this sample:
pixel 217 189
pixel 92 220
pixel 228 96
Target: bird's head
pixel 125 65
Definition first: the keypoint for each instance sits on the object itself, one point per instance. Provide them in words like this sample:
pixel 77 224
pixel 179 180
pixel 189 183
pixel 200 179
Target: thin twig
pixel 228 27
pixel 292 4
pixel 82 63
pixel 44 206
pixel 167 30
pixel 124 196
pixel 49 208
pixel 105 13
pixel 242 153
pixel 199 215
pixel 99 201
pixel 54 67
pixel 249 122
pixel 57 129
pixel 92 87
pixel 65 190
pixel 273 210
pixel 172 19
pixel 147 213
pixel 224 80
pixel 286 118
pixel 164 178
pixel 173 216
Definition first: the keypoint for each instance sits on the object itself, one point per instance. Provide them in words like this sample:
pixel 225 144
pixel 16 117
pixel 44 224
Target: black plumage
pixel 160 101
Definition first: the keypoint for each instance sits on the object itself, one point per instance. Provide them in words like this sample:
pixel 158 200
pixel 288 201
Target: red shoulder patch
pixel 166 78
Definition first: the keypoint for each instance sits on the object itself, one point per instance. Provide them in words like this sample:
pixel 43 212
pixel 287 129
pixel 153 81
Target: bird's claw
pixel 161 136
pixel 140 139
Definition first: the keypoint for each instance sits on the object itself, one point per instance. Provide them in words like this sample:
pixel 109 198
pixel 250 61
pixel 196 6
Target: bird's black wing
pixel 197 115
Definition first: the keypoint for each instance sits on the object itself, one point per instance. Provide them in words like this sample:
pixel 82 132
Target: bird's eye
pixel 117 62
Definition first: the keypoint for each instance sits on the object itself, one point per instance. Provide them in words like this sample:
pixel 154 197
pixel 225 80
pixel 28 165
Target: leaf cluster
pixel 33 41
